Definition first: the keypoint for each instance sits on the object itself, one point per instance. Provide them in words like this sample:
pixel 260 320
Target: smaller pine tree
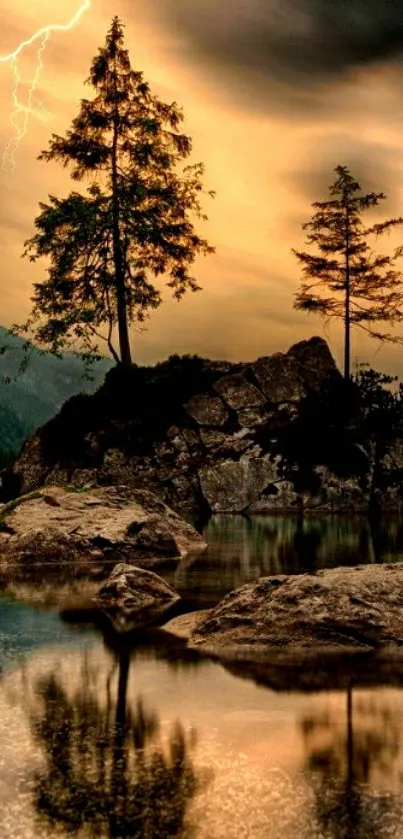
pixel 365 288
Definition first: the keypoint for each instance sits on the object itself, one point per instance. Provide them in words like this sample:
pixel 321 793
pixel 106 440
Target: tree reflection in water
pixel 347 806
pixel 109 773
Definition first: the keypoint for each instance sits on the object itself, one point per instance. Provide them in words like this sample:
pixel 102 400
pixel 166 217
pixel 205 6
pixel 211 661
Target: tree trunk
pixel 347 323
pixel 119 761
pixel 123 330
pixel 350 790
pixel 347 350
pixel 350 738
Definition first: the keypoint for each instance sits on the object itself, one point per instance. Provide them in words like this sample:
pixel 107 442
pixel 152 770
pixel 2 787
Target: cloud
pixel 375 165
pixel 290 47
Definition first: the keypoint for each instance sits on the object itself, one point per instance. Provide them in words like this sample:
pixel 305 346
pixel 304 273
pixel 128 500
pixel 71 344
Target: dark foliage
pixel 133 409
pixel 351 427
pixel 381 429
pixel 323 432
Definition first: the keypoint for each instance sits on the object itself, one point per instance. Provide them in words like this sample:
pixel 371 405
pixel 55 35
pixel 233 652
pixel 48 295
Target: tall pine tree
pixel 365 288
pixel 135 221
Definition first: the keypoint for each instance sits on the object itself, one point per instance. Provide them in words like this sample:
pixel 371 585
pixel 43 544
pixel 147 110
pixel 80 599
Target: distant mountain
pixel 34 396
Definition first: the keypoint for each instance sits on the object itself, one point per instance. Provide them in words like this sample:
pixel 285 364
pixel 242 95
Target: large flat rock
pixel 356 609
pixel 91 530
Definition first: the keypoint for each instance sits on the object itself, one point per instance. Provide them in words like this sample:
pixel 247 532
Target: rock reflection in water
pixel 241 549
pixel 354 771
pixel 108 769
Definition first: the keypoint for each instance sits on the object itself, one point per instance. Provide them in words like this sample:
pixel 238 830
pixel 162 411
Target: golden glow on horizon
pixel 21 113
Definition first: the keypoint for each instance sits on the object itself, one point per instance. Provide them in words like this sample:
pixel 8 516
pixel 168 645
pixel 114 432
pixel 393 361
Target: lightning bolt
pixel 21 112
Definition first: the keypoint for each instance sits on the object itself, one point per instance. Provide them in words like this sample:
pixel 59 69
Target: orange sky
pixel 269 147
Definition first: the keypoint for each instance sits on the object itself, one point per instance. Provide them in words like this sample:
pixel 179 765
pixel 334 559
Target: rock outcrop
pixel 88 532
pixel 357 609
pixel 209 436
pixel 135 599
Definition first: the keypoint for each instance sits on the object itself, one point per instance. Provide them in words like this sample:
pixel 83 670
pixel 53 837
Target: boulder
pixel 207 410
pixel 279 377
pixel 135 599
pixel 233 485
pixel 286 377
pixel 91 529
pixel 212 439
pixel 349 609
pixel 250 417
pixel 238 393
pixel 314 360
pixel 235 444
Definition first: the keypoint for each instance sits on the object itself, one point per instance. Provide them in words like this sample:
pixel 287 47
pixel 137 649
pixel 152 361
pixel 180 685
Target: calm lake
pixel 100 738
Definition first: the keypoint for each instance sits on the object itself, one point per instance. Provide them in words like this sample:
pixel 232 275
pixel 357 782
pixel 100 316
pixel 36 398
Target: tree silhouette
pixel 134 223
pixel 342 766
pixel 107 768
pixel 365 288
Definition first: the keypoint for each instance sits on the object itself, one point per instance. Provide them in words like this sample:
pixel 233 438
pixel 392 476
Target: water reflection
pixel 90 746
pixel 241 549
pixel 354 766
pixel 97 737
pixel 107 768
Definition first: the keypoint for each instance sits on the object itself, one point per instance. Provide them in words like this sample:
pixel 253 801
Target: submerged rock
pixel 339 609
pixel 90 530
pixel 136 599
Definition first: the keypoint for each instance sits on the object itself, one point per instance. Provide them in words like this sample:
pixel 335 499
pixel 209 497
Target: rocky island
pixel 208 437
pixel 97 487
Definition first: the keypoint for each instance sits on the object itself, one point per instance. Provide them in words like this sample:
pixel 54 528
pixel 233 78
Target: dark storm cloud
pixel 296 43
pixel 377 168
